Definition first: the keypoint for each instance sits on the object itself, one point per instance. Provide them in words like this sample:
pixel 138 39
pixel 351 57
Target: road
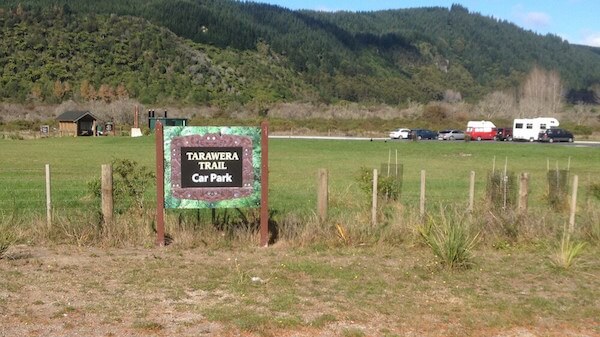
pixel 578 143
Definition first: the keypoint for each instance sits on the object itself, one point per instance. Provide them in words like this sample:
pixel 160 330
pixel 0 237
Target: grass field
pixel 293 169
pixel 341 278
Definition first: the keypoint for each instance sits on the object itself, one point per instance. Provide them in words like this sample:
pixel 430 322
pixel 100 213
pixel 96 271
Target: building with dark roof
pixel 76 123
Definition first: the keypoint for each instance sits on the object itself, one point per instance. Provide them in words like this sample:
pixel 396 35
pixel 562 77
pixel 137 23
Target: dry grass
pixel 344 277
pixel 282 291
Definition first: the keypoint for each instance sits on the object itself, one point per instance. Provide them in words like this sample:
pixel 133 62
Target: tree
pixel 498 104
pixel 542 93
pixel 87 91
pixel 122 92
pixel 59 90
pixel 106 93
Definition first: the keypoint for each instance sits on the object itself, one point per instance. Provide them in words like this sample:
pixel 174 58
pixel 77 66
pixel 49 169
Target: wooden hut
pixel 76 123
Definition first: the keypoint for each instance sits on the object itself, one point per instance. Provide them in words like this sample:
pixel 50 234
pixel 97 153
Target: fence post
pixel 422 199
pixel 374 208
pixel 107 194
pixel 523 192
pixel 471 191
pixel 48 199
pixel 322 194
pixel 573 204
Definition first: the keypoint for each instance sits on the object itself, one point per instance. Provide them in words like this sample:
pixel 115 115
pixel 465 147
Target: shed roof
pixel 74 116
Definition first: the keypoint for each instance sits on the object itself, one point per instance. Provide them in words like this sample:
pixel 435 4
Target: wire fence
pixel 23 192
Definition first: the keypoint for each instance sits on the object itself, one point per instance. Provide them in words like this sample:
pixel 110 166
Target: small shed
pixel 76 123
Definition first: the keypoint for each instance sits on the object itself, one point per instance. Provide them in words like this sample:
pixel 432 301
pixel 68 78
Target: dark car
pixel 423 134
pixel 504 134
pixel 556 135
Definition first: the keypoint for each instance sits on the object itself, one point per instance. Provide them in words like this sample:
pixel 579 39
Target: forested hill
pixel 252 52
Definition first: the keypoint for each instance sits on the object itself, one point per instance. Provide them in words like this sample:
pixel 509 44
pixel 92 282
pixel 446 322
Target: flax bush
pixel 449 237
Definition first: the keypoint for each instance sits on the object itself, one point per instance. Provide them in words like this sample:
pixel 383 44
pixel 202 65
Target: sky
pixel 577 21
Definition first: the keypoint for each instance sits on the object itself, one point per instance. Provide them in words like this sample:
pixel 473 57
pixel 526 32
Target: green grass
pixel 293 169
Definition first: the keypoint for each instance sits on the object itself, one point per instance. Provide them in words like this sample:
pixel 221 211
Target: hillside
pixel 52 55
pixel 224 52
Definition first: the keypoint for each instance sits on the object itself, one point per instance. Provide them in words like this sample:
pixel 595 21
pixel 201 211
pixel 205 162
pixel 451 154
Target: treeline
pixel 52 55
pixel 246 52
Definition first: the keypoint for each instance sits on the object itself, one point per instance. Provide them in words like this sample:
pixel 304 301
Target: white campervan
pixel 529 129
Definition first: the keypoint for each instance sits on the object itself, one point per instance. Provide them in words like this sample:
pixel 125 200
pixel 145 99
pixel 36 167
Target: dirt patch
pixel 74 291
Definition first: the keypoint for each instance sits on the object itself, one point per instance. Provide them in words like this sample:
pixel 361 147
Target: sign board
pixel 44 130
pixel 212 167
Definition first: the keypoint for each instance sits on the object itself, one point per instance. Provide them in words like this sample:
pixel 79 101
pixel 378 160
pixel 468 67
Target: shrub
pixel 388 187
pixel 558 189
pixel 130 182
pixel 501 189
pixel 450 239
pixel 434 112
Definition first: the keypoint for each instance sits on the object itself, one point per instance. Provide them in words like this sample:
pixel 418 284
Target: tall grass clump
pixel 450 239
pixel 567 252
pixel 7 238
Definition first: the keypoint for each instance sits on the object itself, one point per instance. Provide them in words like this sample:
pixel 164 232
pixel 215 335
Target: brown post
pixel 523 192
pixel 107 193
pixel 573 205
pixel 136 116
pixel 322 194
pixel 264 182
pixel 160 185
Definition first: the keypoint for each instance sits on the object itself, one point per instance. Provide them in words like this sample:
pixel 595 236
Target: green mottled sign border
pixel 250 201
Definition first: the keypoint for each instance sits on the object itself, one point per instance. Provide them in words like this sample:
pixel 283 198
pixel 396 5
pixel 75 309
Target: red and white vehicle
pixel 481 130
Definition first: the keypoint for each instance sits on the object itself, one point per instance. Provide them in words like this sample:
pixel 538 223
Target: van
pixel 481 130
pixel 529 129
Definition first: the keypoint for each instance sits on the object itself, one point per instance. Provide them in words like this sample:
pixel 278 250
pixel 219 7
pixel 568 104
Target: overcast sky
pixel 577 21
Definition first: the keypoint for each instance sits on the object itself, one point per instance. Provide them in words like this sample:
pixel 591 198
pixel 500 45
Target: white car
pixel 400 134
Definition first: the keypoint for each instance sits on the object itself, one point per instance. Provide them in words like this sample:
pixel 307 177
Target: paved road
pixel 582 143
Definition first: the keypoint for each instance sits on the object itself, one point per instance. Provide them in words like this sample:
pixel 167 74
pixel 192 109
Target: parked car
pixel 504 134
pixel 400 133
pixel 423 134
pixel 451 135
pixel 556 135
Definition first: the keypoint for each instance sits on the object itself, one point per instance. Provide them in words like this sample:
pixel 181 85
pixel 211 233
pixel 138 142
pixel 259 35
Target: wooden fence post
pixel 422 198
pixel 48 199
pixel 523 192
pixel 471 191
pixel 107 194
pixel 322 195
pixel 374 208
pixel 264 184
pixel 160 185
pixel 573 205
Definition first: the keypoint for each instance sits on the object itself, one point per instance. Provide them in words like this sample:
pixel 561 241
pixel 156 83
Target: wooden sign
pixel 212 167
